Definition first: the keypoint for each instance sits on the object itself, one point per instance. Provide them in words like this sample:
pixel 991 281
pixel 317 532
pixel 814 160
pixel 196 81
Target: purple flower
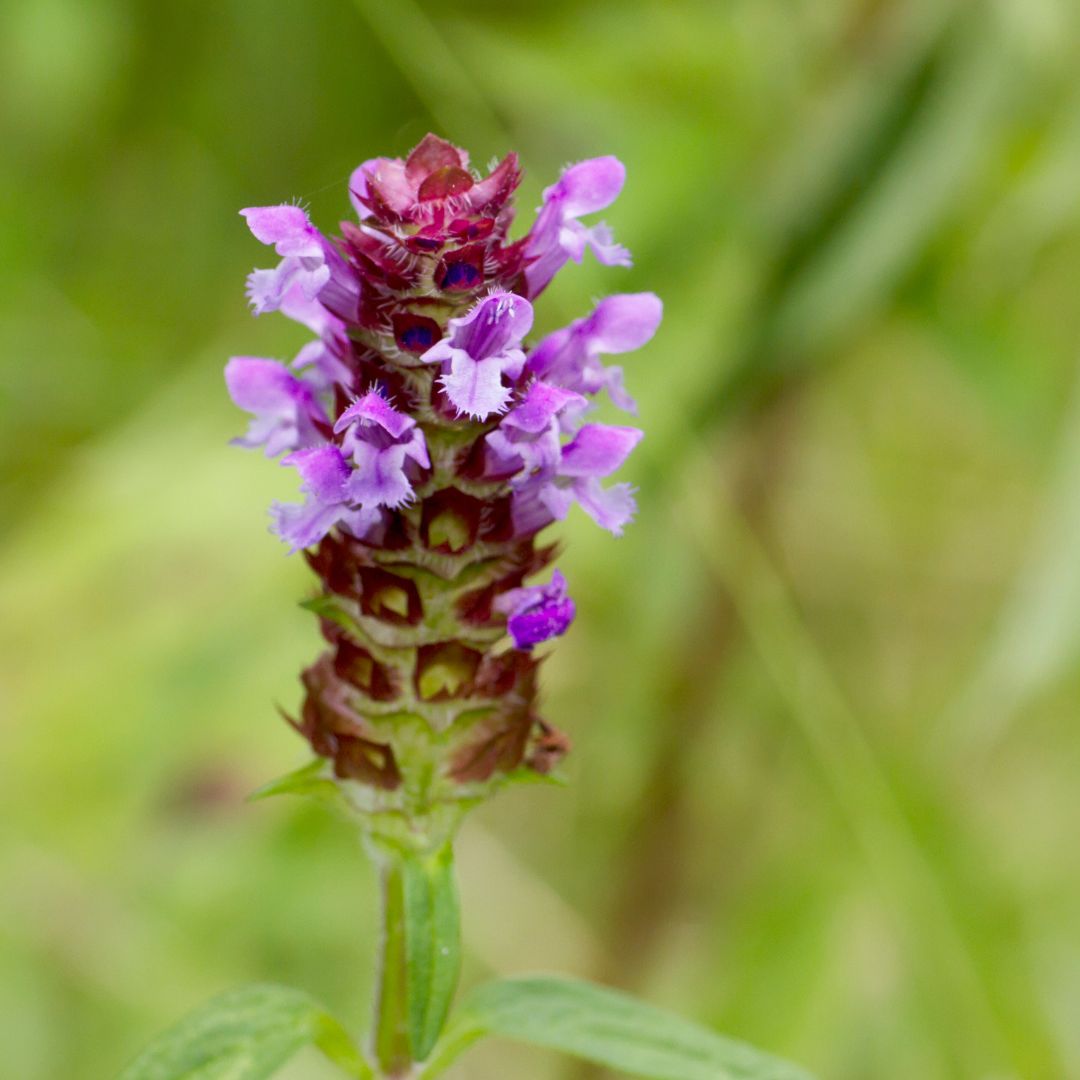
pixel 379 439
pixel 326 357
pixel 537 612
pixel 431 448
pixel 548 477
pixel 482 347
pixel 285 409
pixel 571 357
pixel 557 235
pixel 527 440
pixel 594 453
pixel 324 475
pixel 308 261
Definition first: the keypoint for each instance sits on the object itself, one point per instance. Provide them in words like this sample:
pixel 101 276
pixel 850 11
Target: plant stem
pixel 390 1030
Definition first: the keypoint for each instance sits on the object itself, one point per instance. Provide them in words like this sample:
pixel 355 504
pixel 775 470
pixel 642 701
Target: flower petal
pixel 541 404
pixel 598 450
pixel 611 508
pixel 493 325
pixel 286 227
pixel 298 306
pixel 323 475
pixel 601 241
pixel 623 322
pixel 373 408
pixel 588 186
pixel 284 408
pixel 475 387
pixel 323 472
pixel 569 357
pixel 379 478
pixel 324 365
pixel 259 385
pixel 267 288
pixel 530 507
pixel 416 448
pixel 302 526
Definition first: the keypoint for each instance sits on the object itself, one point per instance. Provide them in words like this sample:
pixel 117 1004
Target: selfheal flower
pixel 537 613
pixel 557 234
pixel 309 261
pixel 571 357
pixel 324 358
pixel 287 414
pixel 325 479
pixel 480 349
pixel 380 439
pixel 431 448
pixel 527 439
pixel 594 453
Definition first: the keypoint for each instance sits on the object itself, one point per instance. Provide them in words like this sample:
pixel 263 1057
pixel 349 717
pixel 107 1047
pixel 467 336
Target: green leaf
pixel 328 608
pixel 312 779
pixel 604 1027
pixel 432 945
pixel 525 776
pixel 247 1034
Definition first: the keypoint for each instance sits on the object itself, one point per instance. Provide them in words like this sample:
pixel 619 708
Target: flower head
pixel 433 441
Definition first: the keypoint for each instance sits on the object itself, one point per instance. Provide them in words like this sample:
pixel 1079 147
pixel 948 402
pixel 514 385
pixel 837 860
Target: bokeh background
pixel 823 694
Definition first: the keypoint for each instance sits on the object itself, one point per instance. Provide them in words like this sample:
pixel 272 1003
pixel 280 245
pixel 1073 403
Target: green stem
pixel 391 1028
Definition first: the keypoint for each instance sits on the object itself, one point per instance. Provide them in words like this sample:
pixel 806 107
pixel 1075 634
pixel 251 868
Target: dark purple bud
pixel 415 333
pixel 537 613
pixel 461 271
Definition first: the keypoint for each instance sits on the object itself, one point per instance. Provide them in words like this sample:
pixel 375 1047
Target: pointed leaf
pixel 604 1027
pixel 246 1034
pixel 312 779
pixel 328 608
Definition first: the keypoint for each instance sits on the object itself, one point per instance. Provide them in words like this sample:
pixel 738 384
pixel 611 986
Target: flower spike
pixel 433 441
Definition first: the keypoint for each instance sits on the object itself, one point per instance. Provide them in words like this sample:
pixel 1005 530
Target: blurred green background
pixel 823 694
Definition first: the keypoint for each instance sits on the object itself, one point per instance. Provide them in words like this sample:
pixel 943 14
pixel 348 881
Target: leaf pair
pixel 250 1033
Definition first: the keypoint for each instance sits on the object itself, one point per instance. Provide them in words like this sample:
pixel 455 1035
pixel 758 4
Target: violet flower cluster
pixel 433 442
